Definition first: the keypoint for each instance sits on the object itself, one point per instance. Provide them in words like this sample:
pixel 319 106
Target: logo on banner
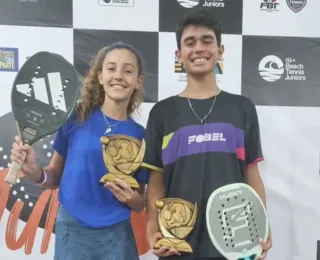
pixel 29 1
pixel 219 67
pixel 206 3
pixel 272 68
pixel 269 5
pixel 119 3
pixel 296 5
pixel 178 68
pixel 9 59
pixel 188 3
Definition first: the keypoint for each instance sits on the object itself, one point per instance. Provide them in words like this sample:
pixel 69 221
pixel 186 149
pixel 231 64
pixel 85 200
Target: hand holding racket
pixel 43 96
pixel 237 221
pixel 24 155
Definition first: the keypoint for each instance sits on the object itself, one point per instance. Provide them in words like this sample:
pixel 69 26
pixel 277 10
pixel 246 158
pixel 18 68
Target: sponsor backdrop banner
pixel 272 54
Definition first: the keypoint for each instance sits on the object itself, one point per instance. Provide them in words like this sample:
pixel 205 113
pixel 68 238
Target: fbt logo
pixel 269 5
pixel 209 137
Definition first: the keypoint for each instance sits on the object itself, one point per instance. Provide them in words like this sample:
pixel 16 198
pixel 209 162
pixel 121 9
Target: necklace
pixel 202 119
pixel 109 127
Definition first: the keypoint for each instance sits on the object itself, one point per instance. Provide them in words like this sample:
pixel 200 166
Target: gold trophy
pixel 122 156
pixel 176 218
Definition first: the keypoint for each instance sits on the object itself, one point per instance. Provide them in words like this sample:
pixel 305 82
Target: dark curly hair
pixel 199 16
pixel 93 94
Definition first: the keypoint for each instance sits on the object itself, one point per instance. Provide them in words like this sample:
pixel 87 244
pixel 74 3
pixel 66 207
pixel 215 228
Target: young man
pixel 193 140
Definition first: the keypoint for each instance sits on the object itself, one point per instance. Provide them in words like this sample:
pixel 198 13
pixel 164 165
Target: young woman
pixel 93 221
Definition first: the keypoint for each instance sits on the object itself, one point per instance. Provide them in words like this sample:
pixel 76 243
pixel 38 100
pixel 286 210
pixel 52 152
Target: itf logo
pixel 272 68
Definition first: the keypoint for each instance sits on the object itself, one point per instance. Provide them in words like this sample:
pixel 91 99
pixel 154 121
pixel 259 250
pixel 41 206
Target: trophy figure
pixel 176 218
pixel 122 156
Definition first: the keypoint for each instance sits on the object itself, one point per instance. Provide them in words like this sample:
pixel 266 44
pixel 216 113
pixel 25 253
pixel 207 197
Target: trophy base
pixel 180 245
pixel 132 182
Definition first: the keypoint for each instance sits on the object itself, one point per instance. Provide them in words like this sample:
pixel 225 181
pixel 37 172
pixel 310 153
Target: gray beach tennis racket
pixel 236 221
pixel 44 94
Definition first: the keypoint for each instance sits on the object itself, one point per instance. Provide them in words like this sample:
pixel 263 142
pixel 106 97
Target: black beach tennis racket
pixel 236 221
pixel 43 96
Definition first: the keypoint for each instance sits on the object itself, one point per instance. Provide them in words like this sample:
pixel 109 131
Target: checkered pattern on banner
pixel 272 54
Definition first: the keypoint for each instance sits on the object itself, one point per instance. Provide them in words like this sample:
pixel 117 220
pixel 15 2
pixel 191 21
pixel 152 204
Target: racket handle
pixel 12 175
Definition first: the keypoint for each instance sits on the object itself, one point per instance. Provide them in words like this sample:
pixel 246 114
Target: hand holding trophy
pixel 122 156
pixel 176 219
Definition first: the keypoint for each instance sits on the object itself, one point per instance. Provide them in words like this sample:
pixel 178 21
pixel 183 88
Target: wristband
pixel 43 178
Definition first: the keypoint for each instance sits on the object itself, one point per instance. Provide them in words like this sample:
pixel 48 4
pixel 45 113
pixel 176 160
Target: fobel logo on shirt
pixel 208 137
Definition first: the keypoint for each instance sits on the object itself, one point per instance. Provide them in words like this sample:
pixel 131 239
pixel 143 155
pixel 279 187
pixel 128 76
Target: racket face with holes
pixel 236 221
pixel 44 94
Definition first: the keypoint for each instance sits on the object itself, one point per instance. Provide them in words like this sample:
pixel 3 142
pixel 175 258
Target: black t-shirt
pixel 197 158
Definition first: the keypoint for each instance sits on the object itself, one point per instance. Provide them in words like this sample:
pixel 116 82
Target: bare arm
pixel 53 172
pixel 252 177
pixel 155 191
pixel 136 202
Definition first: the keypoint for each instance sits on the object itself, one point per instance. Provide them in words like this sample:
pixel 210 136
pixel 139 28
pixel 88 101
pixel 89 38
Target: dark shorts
pixel 76 242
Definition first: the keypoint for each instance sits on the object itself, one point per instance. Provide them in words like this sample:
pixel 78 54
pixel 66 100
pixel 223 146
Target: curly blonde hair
pixel 93 94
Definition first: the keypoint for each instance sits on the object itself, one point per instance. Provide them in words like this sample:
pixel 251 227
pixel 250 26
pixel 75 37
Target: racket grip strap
pixel 12 174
